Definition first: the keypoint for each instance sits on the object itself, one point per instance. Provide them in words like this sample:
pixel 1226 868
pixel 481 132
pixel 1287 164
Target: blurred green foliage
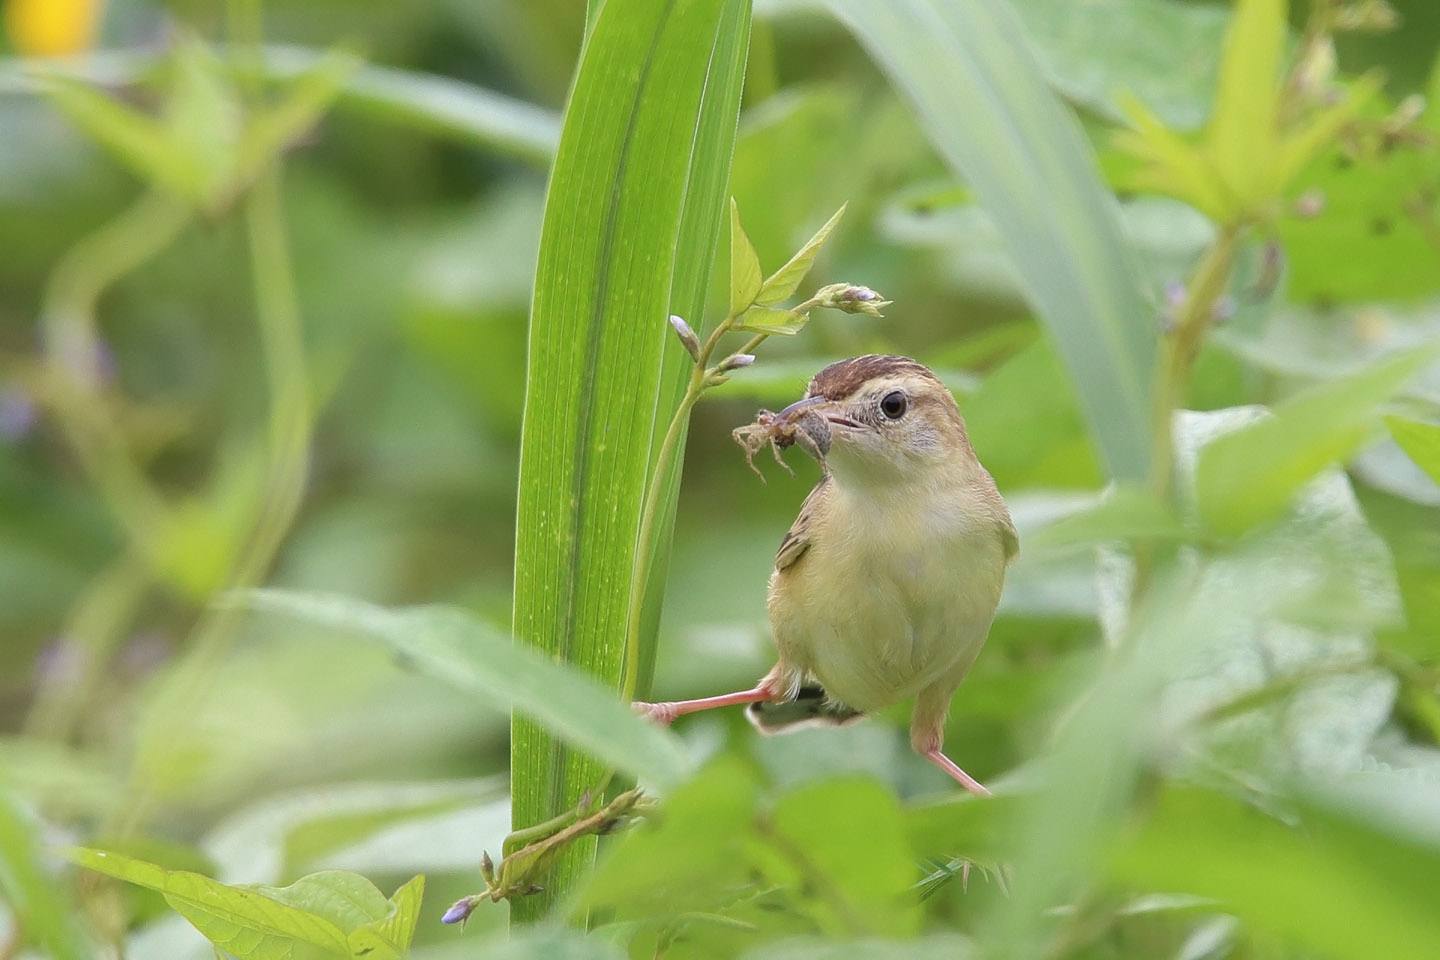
pixel 263 323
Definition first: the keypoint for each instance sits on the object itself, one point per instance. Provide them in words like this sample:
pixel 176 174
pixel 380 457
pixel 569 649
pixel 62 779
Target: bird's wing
pixel 797 538
pixel 1010 538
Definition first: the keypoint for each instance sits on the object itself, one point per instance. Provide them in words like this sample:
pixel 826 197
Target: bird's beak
pixel 831 410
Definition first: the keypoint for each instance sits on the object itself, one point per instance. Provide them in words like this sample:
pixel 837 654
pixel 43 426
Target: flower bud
pixel 851 298
pixel 460 911
pixel 1310 204
pixel 735 361
pixel 687 336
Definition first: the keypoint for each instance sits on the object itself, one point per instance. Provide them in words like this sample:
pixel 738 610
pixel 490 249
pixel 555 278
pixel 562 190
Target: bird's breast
pixel 888 597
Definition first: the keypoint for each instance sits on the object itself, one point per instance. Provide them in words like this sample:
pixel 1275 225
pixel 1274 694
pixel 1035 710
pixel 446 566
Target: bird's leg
pixel 666 712
pixel 927 735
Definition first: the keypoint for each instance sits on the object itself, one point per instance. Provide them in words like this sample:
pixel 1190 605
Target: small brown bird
pixel 886 584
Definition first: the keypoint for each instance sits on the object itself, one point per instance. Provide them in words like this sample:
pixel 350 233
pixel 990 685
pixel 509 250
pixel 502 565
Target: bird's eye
pixel 893 406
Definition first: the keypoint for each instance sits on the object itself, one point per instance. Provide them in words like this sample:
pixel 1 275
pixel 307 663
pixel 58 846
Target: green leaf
pixel 315 916
pixel 1339 888
pixel 1248 477
pixel 843 843
pixel 745 275
pixel 781 284
pixel 1243 131
pixel 615 207
pixel 388 937
pixel 773 320
pixel 140 142
pixel 1421 441
pixel 970 76
pixel 454 646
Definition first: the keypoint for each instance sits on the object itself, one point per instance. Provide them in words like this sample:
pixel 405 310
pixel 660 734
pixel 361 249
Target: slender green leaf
pixel 1420 440
pixel 773 320
pixel 1248 477
pixel 453 646
pixel 695 246
pixel 597 337
pixel 972 79
pixel 745 273
pixel 783 282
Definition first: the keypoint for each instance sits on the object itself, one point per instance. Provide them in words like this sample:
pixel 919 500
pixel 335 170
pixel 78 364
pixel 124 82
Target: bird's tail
pixel 810 708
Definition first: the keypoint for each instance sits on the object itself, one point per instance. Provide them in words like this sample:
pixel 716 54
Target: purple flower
pixel 17 413
pixel 460 911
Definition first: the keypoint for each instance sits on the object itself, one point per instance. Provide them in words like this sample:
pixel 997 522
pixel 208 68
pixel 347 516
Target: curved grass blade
pixel 451 645
pixel 603 289
pixel 969 74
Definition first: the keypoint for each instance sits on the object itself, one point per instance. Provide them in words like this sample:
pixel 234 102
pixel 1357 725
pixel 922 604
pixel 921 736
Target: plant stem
pixel 665 464
pixel 71 386
pixel 1179 349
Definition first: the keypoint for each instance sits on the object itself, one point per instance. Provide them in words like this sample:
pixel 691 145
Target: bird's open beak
pixel 829 409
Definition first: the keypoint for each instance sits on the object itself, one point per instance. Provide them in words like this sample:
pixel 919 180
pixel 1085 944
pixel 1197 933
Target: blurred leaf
pixel 338 914
pixel 274 129
pixel 453 646
pixel 1165 53
pixel 691 857
pixel 784 282
pixel 845 841
pixel 140 142
pixel 1340 888
pixel 745 273
pixel 1248 477
pixel 1242 133
pixel 1367 244
pixel 36 903
pixel 1420 440
pixel 969 73
pixel 439 105
pixel 615 205
pixel 934 946
pixel 330 823
pixel 1030 437
pixel 1125 514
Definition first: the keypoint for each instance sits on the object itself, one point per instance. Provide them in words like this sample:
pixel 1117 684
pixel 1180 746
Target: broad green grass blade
pixel 598 333
pixel 970 76
pixel 695 247
pixel 454 646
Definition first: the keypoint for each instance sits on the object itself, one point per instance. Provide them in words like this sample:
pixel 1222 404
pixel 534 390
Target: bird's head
pixel 891 422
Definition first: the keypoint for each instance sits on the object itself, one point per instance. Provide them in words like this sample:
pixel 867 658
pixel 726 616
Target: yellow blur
pixel 52 28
